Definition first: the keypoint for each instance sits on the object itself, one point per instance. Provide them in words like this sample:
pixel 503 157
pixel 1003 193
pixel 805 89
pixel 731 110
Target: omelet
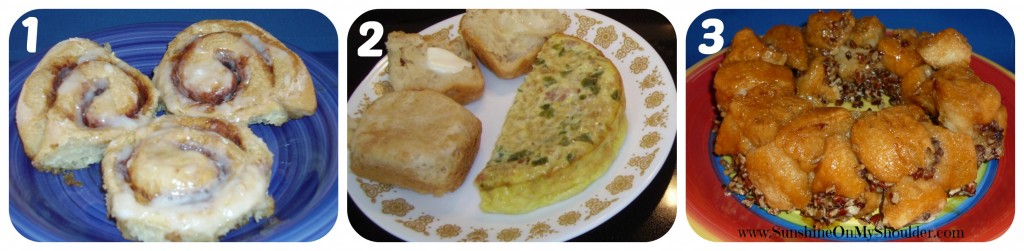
pixel 564 129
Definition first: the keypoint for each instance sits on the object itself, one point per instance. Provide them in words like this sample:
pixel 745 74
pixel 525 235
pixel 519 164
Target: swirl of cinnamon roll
pixel 236 71
pixel 186 179
pixel 78 98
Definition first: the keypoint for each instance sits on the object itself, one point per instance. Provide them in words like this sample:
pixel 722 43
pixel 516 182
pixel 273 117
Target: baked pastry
pixel 912 200
pixel 782 169
pixel 751 78
pixel 417 62
pixel 826 31
pixel 756 121
pixel 420 140
pixel 563 131
pixel 946 48
pixel 789 40
pixel 79 97
pixel 968 105
pixel 891 123
pixel 236 71
pixel 893 143
pixel 747 46
pixel 507 41
pixel 186 179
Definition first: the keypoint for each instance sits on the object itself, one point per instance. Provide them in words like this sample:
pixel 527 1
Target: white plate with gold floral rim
pixel 651 113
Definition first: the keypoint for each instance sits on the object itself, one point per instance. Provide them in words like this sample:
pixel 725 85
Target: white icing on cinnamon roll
pixel 78 98
pixel 236 71
pixel 186 179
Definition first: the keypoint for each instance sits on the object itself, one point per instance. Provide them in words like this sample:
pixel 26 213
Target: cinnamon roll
pixel 236 71
pixel 79 97
pixel 186 179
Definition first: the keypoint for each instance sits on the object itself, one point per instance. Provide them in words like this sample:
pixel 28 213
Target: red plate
pixel 718 217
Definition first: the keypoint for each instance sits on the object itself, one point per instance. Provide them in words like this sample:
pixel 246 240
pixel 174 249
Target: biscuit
pixel 419 140
pixel 418 62
pixel 507 41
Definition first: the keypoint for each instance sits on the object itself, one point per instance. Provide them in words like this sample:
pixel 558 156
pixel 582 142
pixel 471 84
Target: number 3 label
pixel 715 36
pixel 366 50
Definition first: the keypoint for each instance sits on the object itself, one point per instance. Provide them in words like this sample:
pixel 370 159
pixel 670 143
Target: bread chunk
pixel 779 178
pixel 804 138
pixel 918 88
pixel 911 201
pixel 956 161
pixel 756 122
pixel 789 40
pixel 820 83
pixel 417 62
pixel 968 105
pixel 899 51
pixel 838 169
pixel 867 31
pixel 892 143
pixel 419 140
pixel 747 46
pixel 946 48
pixel 507 41
pixel 828 30
pixel 739 79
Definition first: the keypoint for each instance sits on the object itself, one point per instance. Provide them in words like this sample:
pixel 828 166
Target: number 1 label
pixel 32 24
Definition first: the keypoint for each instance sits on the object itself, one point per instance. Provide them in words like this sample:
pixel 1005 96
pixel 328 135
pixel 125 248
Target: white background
pixel 343 13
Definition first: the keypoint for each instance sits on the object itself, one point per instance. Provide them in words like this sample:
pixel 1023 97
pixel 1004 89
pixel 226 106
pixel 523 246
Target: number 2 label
pixel 366 50
pixel 32 24
pixel 715 36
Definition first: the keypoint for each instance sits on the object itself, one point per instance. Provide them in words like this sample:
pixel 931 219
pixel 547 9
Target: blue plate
pixel 305 172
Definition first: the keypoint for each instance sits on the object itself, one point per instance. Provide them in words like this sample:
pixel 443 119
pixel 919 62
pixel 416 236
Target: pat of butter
pixel 445 62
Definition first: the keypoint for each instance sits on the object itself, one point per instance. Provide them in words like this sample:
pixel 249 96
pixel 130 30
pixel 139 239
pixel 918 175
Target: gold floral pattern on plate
pixel 509 234
pixel 566 17
pixel 382 87
pixel 569 218
pixel 620 184
pixel 397 207
pixel 597 205
pixel 643 162
pixel 443 34
pixel 639 65
pixel 585 23
pixel 628 46
pixel 419 224
pixel 651 80
pixel 657 119
pixel 449 231
pixel 650 139
pixel 655 99
pixel 363 104
pixel 605 36
pixel 540 230
pixel 477 235
pixel 373 189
